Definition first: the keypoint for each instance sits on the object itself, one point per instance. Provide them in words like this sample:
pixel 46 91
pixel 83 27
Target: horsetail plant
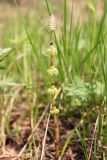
pixel 52 91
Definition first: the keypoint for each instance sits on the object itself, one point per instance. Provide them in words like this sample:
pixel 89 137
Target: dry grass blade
pixel 44 140
pixel 29 138
pixel 94 134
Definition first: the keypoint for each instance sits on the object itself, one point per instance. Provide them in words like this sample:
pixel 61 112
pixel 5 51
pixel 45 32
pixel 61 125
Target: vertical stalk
pixel 52 90
pixel 57 144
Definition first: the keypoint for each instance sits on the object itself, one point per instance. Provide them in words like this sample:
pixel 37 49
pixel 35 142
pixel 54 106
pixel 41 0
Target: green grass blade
pixel 64 26
pixel 48 7
pixel 67 143
pixel 83 144
pixel 71 25
pixel 63 58
pixel 35 52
